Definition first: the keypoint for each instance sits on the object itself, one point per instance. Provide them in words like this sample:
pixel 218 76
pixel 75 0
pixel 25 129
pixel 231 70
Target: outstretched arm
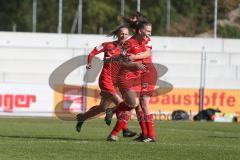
pixel 92 54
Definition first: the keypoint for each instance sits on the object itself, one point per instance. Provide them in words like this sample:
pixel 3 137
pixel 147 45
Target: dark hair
pixel 115 32
pixel 139 16
pixel 141 25
pixel 140 22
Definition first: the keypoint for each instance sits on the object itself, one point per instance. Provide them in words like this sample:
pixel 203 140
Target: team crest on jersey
pixel 145 85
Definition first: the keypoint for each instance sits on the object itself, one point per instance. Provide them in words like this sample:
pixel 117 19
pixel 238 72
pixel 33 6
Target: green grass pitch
pixel 50 139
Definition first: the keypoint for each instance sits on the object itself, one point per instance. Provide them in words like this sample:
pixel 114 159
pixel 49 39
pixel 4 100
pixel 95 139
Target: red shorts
pixel 107 85
pixel 108 78
pixel 148 80
pixel 129 80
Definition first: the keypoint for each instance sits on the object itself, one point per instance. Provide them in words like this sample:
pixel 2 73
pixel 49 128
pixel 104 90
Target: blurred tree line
pixel 187 17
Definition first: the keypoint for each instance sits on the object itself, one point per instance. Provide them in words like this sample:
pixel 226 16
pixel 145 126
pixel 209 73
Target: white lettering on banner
pixel 9 101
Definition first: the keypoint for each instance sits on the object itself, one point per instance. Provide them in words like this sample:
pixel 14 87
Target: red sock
pixel 141 120
pixel 122 119
pixel 126 118
pixel 150 126
pixel 118 127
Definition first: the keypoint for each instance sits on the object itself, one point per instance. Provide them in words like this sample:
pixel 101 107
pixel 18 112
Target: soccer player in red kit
pixel 129 84
pixel 108 78
pixel 148 78
pixel 137 85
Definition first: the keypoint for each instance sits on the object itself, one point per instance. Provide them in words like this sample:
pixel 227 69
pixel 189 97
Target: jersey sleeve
pixel 94 52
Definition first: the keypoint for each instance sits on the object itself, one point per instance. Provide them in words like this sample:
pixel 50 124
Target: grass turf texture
pixel 44 138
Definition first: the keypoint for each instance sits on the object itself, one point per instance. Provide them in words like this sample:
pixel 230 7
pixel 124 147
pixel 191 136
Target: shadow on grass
pixel 50 138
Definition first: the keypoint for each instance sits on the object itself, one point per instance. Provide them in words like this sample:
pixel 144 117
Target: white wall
pixel 31 57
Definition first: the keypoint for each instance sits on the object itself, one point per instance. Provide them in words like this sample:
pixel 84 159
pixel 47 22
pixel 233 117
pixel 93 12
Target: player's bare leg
pixel 123 113
pixel 91 113
pixel 131 101
pixel 106 100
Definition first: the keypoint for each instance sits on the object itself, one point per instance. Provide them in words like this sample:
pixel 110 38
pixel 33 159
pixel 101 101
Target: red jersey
pixel 143 82
pixel 134 47
pixel 130 78
pixel 110 71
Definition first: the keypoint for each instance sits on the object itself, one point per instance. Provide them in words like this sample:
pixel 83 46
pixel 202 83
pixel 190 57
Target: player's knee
pixel 133 104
